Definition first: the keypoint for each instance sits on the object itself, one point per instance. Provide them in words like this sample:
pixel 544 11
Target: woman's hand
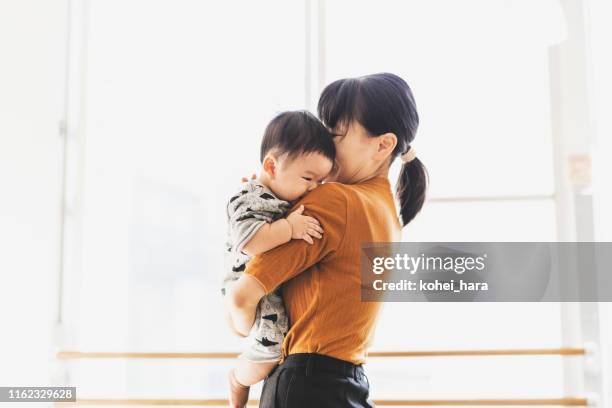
pixel 253 177
pixel 303 226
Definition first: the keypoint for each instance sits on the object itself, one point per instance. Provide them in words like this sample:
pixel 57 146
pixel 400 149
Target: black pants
pixel 308 380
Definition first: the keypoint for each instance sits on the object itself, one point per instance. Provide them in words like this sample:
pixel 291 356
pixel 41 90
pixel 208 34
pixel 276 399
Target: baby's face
pixel 295 177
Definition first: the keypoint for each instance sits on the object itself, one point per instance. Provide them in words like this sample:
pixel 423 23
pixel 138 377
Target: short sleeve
pixel 249 210
pixel 328 204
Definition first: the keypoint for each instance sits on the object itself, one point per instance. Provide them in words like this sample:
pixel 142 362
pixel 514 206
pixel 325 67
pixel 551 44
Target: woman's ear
pixel 269 166
pixel 386 145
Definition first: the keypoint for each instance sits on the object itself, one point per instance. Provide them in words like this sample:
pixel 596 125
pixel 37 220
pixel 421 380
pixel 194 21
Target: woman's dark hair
pixel 297 132
pixel 381 103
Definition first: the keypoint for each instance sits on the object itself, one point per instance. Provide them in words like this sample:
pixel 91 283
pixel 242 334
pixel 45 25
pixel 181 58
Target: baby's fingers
pixel 299 211
pixel 311 220
pixel 314 233
pixel 315 227
pixel 308 239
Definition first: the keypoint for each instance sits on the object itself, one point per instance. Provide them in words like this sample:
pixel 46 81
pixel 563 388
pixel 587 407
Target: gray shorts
pixel 269 329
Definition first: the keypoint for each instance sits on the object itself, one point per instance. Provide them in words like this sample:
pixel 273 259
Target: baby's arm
pixel 271 235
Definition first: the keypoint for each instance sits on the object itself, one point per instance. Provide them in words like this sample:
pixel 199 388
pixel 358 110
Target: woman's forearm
pixel 241 303
pixel 242 317
pixel 228 319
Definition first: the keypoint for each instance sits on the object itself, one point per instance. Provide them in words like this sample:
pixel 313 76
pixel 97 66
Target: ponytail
pixel 411 189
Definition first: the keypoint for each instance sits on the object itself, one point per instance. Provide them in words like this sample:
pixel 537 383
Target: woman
pixel 374 120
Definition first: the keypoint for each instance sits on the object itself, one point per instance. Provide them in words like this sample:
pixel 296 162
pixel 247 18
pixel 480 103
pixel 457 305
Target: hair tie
pixel 409 156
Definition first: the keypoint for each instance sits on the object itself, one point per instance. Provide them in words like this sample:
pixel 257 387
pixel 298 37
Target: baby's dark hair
pixel 295 133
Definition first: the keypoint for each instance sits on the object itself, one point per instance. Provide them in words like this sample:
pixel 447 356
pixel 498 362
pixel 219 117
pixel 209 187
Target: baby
pixel 297 154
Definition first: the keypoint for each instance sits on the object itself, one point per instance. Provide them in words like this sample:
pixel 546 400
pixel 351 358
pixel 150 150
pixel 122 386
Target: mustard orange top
pixel 321 282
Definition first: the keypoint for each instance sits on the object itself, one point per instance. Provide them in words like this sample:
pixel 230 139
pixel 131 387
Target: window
pixel 177 95
pixel 481 86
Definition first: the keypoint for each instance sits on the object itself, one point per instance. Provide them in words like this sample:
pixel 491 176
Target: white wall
pixel 32 37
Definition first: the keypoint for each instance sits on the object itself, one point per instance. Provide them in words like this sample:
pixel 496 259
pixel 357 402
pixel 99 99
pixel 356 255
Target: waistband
pixel 320 363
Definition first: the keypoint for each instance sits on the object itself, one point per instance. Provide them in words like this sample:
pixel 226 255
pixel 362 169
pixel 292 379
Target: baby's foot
pixel 239 394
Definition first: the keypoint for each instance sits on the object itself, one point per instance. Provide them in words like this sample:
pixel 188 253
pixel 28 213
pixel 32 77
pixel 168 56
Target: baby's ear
pixel 269 165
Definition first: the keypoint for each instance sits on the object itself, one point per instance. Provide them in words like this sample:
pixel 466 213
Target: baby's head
pixel 297 153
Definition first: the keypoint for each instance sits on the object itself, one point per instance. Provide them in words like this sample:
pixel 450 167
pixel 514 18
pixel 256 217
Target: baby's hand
pixel 303 226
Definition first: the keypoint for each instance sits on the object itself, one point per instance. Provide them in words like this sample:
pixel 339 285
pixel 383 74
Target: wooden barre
pixel 224 403
pixel 227 355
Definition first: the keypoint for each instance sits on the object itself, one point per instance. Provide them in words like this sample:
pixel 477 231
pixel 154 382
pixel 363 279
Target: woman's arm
pixel 268 270
pixel 242 297
pixel 241 302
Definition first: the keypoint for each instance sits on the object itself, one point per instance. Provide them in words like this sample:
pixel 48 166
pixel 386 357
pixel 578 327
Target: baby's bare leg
pixel 239 394
pixel 248 372
pixel 243 376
